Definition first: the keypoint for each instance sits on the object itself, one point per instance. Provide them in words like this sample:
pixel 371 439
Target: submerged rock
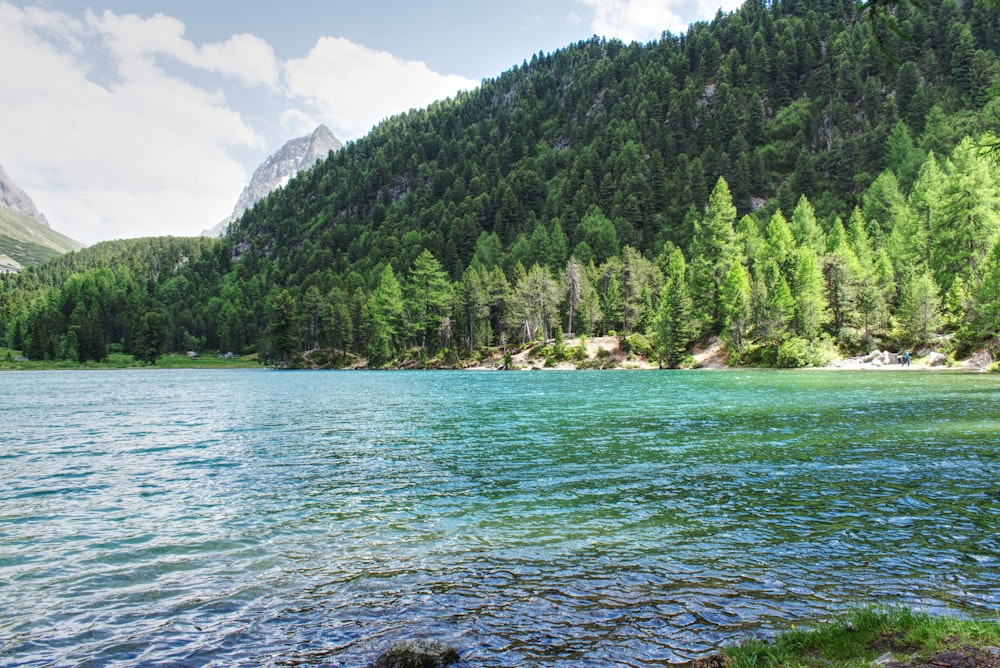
pixel 417 653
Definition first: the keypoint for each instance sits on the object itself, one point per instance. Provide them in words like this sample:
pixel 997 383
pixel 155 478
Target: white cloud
pixel 645 20
pixel 356 87
pixel 148 154
pixel 118 125
pixel 133 38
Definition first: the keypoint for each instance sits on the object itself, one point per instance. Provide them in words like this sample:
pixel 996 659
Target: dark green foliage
pixel 150 336
pixel 539 201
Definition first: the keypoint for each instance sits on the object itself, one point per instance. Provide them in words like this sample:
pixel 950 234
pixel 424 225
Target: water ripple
pixel 256 518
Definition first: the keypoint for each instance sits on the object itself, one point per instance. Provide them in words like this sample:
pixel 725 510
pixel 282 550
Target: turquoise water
pixel 537 519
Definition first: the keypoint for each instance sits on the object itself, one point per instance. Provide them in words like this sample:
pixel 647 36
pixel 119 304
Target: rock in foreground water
pixel 417 653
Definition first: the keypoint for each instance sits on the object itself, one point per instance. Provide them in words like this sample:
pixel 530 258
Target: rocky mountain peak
pixel 295 156
pixel 15 199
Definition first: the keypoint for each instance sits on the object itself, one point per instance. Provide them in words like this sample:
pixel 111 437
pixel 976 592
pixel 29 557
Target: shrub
pixel 796 352
pixel 638 344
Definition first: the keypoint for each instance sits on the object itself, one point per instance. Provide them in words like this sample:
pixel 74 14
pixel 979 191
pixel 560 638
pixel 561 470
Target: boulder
pixel 870 357
pixel 936 359
pixel 417 653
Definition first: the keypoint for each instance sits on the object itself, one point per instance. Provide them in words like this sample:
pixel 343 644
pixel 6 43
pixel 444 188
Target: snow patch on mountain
pixel 275 172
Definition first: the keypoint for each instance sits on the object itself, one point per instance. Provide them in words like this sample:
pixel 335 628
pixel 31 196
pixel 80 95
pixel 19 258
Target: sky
pixel 133 118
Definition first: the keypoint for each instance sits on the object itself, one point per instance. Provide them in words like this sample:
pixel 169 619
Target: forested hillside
pixel 793 176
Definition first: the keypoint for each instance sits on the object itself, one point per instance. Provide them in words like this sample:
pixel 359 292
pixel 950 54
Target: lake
pixel 256 517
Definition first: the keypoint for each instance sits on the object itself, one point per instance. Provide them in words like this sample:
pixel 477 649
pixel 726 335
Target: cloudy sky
pixel 133 118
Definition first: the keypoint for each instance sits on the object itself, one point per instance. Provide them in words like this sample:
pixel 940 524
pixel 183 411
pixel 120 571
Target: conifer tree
pixel 811 307
pixel 713 252
pixel 969 220
pixel 428 298
pixel 675 325
pixel 919 312
pixel 385 318
pixel 735 298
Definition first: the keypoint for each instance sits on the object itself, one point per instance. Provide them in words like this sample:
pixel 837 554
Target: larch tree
pixel 675 325
pixel 713 252
pixel 919 311
pixel 811 307
pixel 735 298
pixel 428 298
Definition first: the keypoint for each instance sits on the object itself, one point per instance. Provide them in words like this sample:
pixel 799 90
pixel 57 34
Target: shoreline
pixel 596 354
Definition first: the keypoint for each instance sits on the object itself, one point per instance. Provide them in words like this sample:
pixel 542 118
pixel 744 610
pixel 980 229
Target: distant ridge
pixel 279 168
pixel 25 242
pixel 15 199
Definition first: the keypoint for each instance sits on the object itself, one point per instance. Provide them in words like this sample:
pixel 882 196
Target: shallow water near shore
pixel 535 519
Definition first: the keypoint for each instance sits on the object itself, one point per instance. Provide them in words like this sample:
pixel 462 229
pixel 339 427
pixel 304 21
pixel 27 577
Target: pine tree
pixel 151 335
pixel 988 295
pixel 573 281
pixel 282 324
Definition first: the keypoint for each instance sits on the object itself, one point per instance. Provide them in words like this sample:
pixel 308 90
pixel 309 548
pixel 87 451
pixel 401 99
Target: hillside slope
pixel 28 243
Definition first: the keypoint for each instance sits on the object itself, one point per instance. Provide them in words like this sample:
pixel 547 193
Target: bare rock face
pixel 417 653
pixel 15 199
pixel 295 156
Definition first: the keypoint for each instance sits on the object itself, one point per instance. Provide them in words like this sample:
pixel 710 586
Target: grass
pixel 864 635
pixel 31 243
pixel 206 360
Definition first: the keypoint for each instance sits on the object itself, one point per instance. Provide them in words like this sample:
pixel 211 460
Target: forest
pixel 799 178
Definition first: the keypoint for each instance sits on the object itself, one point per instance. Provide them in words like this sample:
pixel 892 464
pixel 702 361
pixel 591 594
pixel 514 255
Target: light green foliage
pixel 385 316
pixel 804 227
pixel 713 252
pixel 675 325
pixel 919 312
pixel 535 307
pixel 811 306
pixel 428 300
pixel 735 297
pixel 968 223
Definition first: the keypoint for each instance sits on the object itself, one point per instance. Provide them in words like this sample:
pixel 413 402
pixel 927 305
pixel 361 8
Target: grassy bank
pixel 205 360
pixel 874 636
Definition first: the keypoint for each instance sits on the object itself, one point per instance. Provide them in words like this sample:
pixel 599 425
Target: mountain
pixel 26 239
pixel 25 243
pixel 790 177
pixel 295 156
pixel 15 199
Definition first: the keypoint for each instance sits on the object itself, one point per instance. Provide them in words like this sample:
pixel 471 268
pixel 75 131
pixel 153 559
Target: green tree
pixel 151 335
pixel 428 298
pixel 919 311
pixel 386 318
pixel 535 304
pixel 713 252
pixel 475 297
pixel 283 327
pixel 675 324
pixel 573 280
pixel 969 220
pixel 599 234
pixel 811 307
pixel 805 229
pixel 735 298
pixel 988 295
